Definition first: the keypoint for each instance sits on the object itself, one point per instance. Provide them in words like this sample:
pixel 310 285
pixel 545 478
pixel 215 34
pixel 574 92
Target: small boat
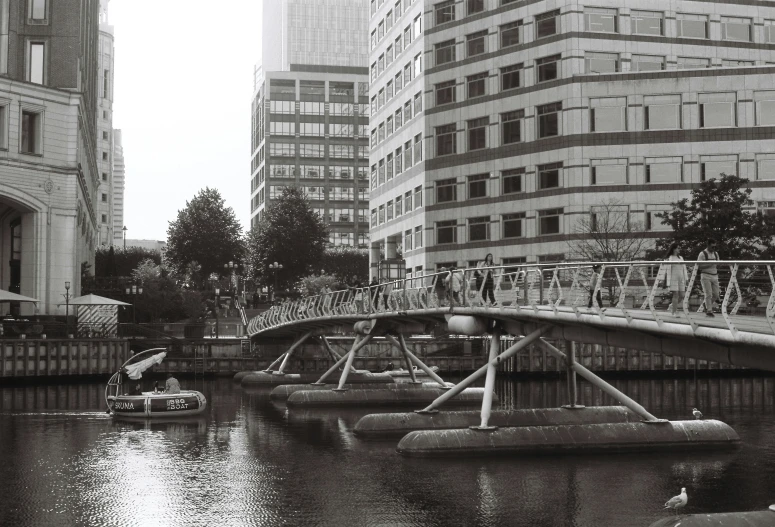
pixel 149 404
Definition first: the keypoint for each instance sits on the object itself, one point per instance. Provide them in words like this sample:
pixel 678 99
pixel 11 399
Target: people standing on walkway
pixel 484 280
pixel 592 285
pixel 439 286
pixel 676 277
pixel 709 277
pixel 454 283
pixel 386 288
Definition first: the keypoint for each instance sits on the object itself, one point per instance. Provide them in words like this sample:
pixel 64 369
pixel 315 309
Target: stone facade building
pixel 105 159
pixel 496 126
pixel 49 177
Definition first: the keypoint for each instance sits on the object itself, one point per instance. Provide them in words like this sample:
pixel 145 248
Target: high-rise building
pixel 49 177
pixel 310 105
pixel 105 128
pixel 497 126
pixel 119 183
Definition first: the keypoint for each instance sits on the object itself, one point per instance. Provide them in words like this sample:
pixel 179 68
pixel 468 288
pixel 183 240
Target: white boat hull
pixel 150 404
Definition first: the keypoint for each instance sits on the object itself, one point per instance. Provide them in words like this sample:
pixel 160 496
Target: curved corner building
pixel 501 126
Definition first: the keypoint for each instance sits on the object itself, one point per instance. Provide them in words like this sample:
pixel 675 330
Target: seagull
pixel 676 502
pixel 696 413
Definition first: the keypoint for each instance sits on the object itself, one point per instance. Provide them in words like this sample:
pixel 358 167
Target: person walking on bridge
pixel 709 277
pixel 676 277
pixel 484 279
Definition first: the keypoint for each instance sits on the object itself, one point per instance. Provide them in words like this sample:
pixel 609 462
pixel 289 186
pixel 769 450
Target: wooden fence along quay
pixel 41 358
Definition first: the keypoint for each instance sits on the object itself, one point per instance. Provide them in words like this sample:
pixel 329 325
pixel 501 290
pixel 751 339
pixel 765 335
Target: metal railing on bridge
pixel 745 288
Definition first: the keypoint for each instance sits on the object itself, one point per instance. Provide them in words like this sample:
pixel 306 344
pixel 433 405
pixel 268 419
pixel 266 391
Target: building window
pixel 417 26
pixel 286 107
pixel 408 239
pixel 662 112
pixel 407 36
pixel 765 166
pixel 512 225
pixel 717 110
pixel 408 154
pixel 733 28
pixel 37 9
pixel 446 190
pixel 512 180
pixel 418 148
pixel 548 68
pixel 736 63
pixel 381 214
pixel 399 161
pixel 373 217
pixel 600 20
pixel 479 229
pixel 549 175
pixel 549 119
pixel 417 65
pixel 446 232
pixel 408 201
pixel 31 133
pixel 444 12
pixel 381 172
pixel 398 80
pixel 104 176
pixel 511 77
pixel 601 62
pixel 399 44
pixel 647 23
pixel 769 31
pixel 445 93
pixel 398 9
pixel 549 221
pixel 445 52
pixel 711 167
pixel 477 133
pixel 381 134
pixel 445 140
pixel 647 63
pixel 685 63
pixel 477 186
pixel 407 111
pixel 767 208
pixel 389 166
pixel 765 108
pixel 692 26
pixel 511 34
pixel 474 6
pixel 664 170
pixel 399 118
pixel 609 218
pixel 418 237
pixel 608 114
pixel 547 24
pixel 281 128
pixel 608 171
pixel 389 210
pixel 417 102
pixel 104 218
pixel 418 196
pixel 476 43
pixel 36 62
pixel 476 85
pixel 408 73
pixel 511 127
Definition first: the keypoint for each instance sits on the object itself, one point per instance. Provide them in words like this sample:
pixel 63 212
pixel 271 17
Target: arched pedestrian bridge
pixel 555 299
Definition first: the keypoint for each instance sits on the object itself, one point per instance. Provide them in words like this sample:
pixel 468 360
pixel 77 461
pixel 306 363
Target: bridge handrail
pixel 528 283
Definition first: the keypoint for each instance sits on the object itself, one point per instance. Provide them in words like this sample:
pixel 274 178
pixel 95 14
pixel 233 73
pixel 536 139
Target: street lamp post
pixel 217 303
pixel 67 308
pixel 275 267
pixel 134 291
pixel 124 229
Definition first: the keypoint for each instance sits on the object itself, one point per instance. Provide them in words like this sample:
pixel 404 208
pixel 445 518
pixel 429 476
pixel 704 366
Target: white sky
pixel 183 88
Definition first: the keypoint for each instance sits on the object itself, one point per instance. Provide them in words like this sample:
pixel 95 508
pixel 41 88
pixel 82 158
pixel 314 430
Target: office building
pixel 119 176
pixel 105 129
pixel 498 126
pixel 49 177
pixel 309 112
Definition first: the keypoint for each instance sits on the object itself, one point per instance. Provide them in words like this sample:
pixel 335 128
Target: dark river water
pixel 248 461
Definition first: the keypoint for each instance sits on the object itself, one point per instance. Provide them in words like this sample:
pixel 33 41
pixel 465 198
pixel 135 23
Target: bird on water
pixel 696 413
pixel 677 502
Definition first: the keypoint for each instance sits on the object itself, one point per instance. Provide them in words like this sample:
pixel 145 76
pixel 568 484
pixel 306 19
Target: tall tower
pixel 119 172
pixel 105 57
pixel 310 112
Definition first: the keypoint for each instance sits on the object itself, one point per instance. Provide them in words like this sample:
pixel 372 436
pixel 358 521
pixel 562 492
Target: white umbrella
pixel 7 296
pixel 135 371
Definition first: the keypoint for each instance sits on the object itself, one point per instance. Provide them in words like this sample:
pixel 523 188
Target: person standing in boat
pixel 172 385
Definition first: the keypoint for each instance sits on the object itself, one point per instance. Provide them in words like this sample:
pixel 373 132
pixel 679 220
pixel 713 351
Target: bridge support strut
pixel 290 351
pixel 409 357
pixel 462 385
pixel 603 385
pixel 357 344
pixel 334 355
pixel 489 382
pixel 570 346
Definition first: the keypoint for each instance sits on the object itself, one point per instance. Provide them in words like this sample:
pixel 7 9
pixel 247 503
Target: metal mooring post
pixel 570 358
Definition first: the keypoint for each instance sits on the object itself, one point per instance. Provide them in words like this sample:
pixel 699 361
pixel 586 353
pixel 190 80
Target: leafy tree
pixel 313 284
pixel 347 262
pixel 111 262
pixel 206 232
pixel 161 299
pixel 289 233
pixel 717 211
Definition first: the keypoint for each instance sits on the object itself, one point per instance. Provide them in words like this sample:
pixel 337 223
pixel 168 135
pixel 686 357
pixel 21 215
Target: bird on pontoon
pixel 696 413
pixel 677 502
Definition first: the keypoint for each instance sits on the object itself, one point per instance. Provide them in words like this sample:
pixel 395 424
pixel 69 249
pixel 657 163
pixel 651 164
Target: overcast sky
pixel 183 87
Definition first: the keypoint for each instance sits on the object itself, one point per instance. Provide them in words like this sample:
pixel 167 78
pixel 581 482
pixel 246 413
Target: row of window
pixel 334 151
pixel 291 128
pixel 394 163
pixel 291 171
pixel 395 49
pixel 395 85
pixel 337 239
pixel 335 109
pixel 316 89
pixel 395 121
pixel 607 114
pixel 320 193
pixel 395 208
pixel 341 214
pixel 606 20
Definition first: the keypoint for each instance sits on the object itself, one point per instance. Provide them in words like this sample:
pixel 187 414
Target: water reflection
pixel 251 461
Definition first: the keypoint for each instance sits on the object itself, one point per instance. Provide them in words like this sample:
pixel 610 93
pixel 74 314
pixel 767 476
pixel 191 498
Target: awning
pixel 94 300
pixel 135 371
pixel 7 296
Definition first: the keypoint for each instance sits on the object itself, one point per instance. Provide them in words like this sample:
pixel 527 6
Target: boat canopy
pixel 135 371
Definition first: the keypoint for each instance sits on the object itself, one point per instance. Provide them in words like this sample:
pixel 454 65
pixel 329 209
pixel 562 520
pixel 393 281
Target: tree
pixel 608 234
pixel 109 262
pixel 290 233
pixel 206 232
pixel 344 262
pixel 717 211
pixel 313 284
